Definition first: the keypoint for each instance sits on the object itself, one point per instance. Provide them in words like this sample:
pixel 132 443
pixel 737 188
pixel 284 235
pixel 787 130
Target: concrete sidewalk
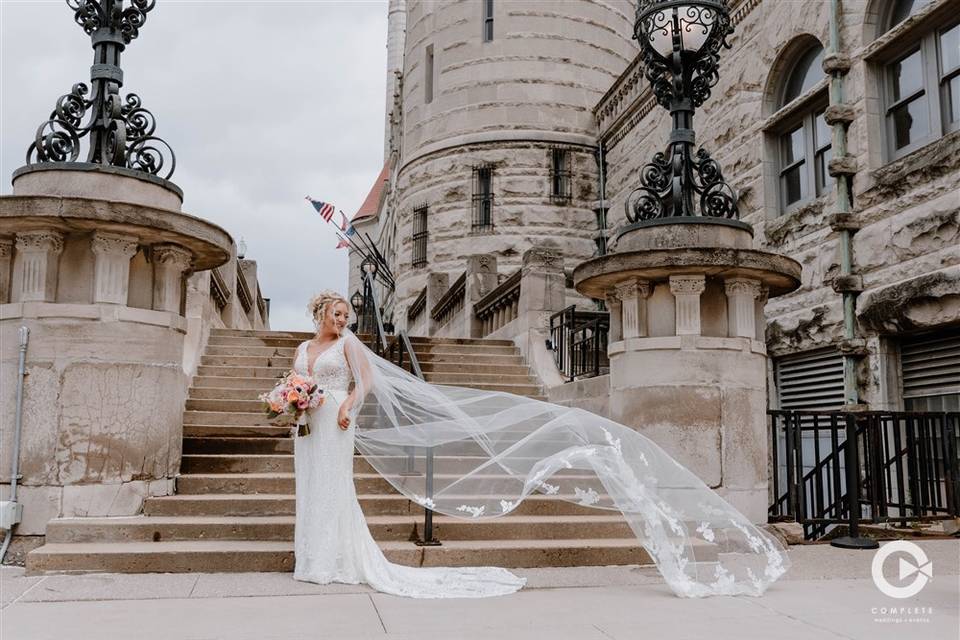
pixel 827 594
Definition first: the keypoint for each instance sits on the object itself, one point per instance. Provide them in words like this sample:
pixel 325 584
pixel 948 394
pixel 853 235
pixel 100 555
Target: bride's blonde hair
pixel 322 302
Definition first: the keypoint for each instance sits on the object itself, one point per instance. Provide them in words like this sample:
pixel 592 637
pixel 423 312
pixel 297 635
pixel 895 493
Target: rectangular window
pixel 420 235
pixel 487 20
pixel 822 146
pixel 428 75
pixel 793 175
pixel 908 116
pixel 482 219
pixel 561 179
pixel 949 46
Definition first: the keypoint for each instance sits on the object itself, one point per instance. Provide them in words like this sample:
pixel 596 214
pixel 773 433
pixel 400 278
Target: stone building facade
pixel 567 74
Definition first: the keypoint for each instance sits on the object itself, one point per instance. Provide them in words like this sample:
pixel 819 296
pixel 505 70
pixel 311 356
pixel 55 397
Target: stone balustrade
pixel 501 306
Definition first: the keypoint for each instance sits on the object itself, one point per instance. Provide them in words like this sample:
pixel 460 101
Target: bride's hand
pixel 343 417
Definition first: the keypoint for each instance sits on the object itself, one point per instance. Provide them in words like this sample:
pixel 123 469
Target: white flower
pixel 705 530
pixel 587 497
pixel 507 506
pixel 427 502
pixel 476 512
pixel 549 489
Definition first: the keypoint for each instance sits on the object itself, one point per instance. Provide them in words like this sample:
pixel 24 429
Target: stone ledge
pixel 684 343
pixel 210 245
pixel 842 166
pixel 836 63
pixel 102 312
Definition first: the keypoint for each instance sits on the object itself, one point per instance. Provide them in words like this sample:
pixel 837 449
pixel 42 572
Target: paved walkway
pixel 827 594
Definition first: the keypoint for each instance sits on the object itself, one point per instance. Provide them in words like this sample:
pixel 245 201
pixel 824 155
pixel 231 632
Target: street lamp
pixel 680 42
pixel 369 267
pixel 356 301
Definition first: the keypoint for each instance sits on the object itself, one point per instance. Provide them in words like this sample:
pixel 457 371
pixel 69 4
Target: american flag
pixel 325 209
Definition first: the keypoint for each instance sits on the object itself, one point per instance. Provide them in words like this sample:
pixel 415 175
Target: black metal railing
pixel 579 342
pixel 399 350
pixel 903 467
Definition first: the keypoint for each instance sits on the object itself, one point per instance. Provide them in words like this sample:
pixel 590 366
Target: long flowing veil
pixel 494 449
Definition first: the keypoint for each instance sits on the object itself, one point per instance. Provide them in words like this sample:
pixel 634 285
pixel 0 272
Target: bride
pixel 506 447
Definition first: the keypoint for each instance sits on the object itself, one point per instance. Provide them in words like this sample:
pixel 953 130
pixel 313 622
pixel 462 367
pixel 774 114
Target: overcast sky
pixel 263 102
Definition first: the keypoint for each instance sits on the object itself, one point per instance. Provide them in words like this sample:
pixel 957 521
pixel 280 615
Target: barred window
pixel 482 219
pixel 487 20
pixel 420 236
pixel 561 177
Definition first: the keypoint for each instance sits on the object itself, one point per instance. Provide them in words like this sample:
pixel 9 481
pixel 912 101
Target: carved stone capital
pixel 687 285
pixel 112 244
pixel 172 256
pixel 633 289
pixel 742 287
pixel 6 248
pixel 48 241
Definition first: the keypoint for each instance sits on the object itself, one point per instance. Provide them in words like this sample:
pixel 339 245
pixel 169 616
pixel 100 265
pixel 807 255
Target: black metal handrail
pixel 579 342
pixel 396 350
pixel 903 466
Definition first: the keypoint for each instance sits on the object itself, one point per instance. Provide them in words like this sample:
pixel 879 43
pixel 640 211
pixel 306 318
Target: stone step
pixel 234 431
pixel 283 482
pixel 248 360
pixel 247 333
pixel 220 455
pixel 217 556
pixel 472 379
pixel 226 393
pixel 470 358
pixel 280 527
pixel 256 351
pixel 275 504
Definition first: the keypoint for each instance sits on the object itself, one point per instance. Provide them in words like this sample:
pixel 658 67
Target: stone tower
pixel 498 134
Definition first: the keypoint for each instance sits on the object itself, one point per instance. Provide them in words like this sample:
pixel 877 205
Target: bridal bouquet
pixel 293 395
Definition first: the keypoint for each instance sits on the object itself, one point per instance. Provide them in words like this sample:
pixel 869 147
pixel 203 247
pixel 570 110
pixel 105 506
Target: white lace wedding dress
pixel 331 540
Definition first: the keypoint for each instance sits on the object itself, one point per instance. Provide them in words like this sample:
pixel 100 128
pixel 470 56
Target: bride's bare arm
pixel 362 372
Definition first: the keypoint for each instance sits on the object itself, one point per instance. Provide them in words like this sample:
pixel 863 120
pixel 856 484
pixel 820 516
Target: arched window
pixel 804 138
pixel 900 10
pixel 920 82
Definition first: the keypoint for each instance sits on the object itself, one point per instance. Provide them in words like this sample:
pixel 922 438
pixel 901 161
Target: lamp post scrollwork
pixel 680 44
pixel 120 130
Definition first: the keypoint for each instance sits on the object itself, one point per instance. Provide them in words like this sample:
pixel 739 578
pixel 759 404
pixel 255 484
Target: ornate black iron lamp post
pixel 680 44
pixel 120 130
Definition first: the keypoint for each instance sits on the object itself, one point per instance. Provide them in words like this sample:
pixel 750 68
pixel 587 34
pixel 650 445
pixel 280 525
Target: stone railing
pixel 499 307
pixel 243 292
pixel 263 305
pixel 451 303
pixel 219 292
pixel 419 305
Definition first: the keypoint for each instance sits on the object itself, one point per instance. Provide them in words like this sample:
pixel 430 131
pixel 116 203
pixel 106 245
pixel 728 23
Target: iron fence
pixel 579 342
pixel 902 467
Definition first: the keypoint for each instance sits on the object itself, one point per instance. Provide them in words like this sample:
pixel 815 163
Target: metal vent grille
pixel 812 380
pixel 931 365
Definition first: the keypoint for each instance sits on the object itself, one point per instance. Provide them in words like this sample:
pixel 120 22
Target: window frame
pixel 481 220
pixel 804 117
pixel 486 22
pixel 561 175
pixel 935 85
pixel 419 236
pixel 429 63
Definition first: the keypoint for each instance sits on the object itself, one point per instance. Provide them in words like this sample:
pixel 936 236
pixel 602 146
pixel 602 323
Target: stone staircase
pixel 234 505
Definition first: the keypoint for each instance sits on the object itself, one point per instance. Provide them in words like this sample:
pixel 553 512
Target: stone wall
pixel 907 249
